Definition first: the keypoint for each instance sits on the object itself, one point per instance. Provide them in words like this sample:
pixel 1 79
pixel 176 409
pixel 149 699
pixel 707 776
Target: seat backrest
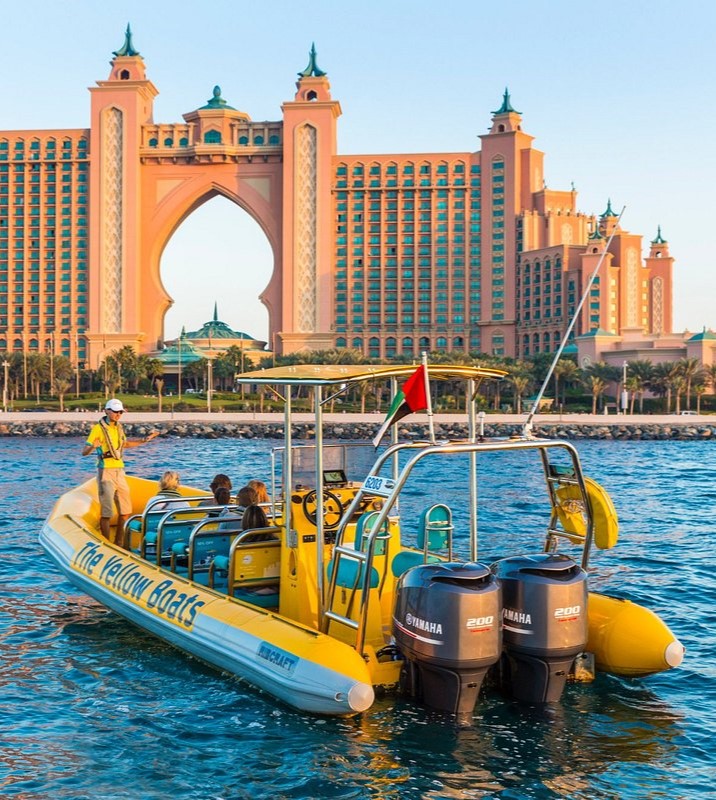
pixel 435 528
pixel 173 533
pixel 350 574
pixel 364 527
pixel 206 546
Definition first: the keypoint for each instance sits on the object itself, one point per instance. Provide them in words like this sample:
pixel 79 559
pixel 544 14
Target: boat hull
pixel 290 661
pixel 628 639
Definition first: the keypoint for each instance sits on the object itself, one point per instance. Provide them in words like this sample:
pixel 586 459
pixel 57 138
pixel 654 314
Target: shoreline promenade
pixel 248 417
pixel 363 427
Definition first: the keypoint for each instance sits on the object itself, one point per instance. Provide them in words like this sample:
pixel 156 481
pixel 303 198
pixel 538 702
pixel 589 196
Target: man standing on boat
pixel 108 440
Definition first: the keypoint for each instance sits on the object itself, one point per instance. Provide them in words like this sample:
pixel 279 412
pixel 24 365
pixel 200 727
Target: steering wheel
pixel 332 509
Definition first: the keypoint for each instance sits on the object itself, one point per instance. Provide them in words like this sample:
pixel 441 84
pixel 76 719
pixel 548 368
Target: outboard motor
pixel 447 625
pixel 544 619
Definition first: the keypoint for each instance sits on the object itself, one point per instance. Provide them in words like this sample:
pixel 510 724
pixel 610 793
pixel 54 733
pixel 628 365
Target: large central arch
pixel 159 173
pixel 180 195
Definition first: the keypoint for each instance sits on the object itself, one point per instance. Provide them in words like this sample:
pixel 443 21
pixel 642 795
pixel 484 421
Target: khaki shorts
pixel 113 490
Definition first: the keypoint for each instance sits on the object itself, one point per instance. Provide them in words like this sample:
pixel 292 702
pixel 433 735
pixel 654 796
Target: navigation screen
pixel 334 477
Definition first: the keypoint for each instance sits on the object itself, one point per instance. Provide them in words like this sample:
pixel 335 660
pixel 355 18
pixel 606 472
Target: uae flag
pixel 412 397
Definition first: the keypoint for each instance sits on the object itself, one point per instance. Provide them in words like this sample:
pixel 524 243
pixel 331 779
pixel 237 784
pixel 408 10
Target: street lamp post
pixel 210 383
pixel 6 366
pixel 179 376
pixel 52 365
pixel 77 364
pixel 242 368
pixel 625 393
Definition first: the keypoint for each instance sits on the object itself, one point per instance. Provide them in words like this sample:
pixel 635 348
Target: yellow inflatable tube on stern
pixel 571 513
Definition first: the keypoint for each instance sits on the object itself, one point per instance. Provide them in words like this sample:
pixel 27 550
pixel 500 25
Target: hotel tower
pixel 389 254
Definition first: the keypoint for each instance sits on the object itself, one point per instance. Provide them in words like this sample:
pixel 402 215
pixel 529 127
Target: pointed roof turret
pixel 703 336
pixel 312 69
pixel 506 107
pixel 595 234
pixel 609 212
pixel 216 311
pixel 127 49
pixel 659 238
pixel 217 101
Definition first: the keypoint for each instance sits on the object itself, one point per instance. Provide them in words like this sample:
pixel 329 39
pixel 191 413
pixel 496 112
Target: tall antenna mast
pixel 527 428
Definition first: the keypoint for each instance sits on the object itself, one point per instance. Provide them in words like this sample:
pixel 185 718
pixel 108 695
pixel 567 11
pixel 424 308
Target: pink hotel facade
pixel 390 254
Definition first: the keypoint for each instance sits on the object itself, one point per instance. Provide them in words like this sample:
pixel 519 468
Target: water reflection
pixel 93 708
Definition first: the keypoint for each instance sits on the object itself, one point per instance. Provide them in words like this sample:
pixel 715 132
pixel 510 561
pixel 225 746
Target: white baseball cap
pixel 114 405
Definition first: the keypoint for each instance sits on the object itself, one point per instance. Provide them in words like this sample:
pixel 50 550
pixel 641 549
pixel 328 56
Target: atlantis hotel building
pixel 389 254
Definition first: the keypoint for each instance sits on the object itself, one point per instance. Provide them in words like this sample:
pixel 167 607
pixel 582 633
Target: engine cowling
pixel 544 617
pixel 447 625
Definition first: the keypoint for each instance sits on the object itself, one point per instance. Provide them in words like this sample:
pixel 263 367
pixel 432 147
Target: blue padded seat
pixel 179 550
pixel 348 569
pixel 404 561
pixel 261 598
pixel 221 563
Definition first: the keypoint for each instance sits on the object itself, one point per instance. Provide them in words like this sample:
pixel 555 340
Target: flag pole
pixel 428 398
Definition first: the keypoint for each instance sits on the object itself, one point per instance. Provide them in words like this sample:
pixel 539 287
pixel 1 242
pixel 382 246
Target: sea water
pixel 91 707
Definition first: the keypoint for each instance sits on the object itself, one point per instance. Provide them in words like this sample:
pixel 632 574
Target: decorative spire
pixel 182 335
pixel 595 234
pixel 217 101
pixel 659 238
pixel 216 311
pixel 506 107
pixel 312 69
pixel 127 49
pixel 609 211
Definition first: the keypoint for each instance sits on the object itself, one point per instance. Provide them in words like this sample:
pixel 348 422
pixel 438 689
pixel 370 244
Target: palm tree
pixel 596 386
pixel 61 387
pixel 159 385
pixel 225 370
pixel 699 390
pixel 37 372
pixel 557 373
pixel 688 369
pixel 678 385
pixel 711 372
pixel 640 372
pixel 520 383
pixel 570 373
pixel 635 386
pixel 129 366
pixel 661 381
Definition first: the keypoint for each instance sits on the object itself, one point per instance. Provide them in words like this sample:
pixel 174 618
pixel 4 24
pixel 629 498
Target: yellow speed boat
pixel 329 604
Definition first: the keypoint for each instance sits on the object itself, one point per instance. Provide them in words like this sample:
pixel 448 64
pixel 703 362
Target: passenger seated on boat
pixel 245 497
pixel 219 481
pixel 222 497
pixel 169 489
pixel 262 495
pixel 255 517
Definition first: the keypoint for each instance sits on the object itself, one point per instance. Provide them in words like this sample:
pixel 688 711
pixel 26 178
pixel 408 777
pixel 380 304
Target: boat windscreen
pixel 352 461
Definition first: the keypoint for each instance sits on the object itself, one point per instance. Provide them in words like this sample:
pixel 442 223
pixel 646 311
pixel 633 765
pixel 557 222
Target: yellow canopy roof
pixel 329 374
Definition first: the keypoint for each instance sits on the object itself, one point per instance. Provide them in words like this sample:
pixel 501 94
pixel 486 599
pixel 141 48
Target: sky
pixel 620 97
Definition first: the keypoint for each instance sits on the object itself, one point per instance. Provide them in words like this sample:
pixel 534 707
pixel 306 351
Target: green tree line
pixel 679 385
